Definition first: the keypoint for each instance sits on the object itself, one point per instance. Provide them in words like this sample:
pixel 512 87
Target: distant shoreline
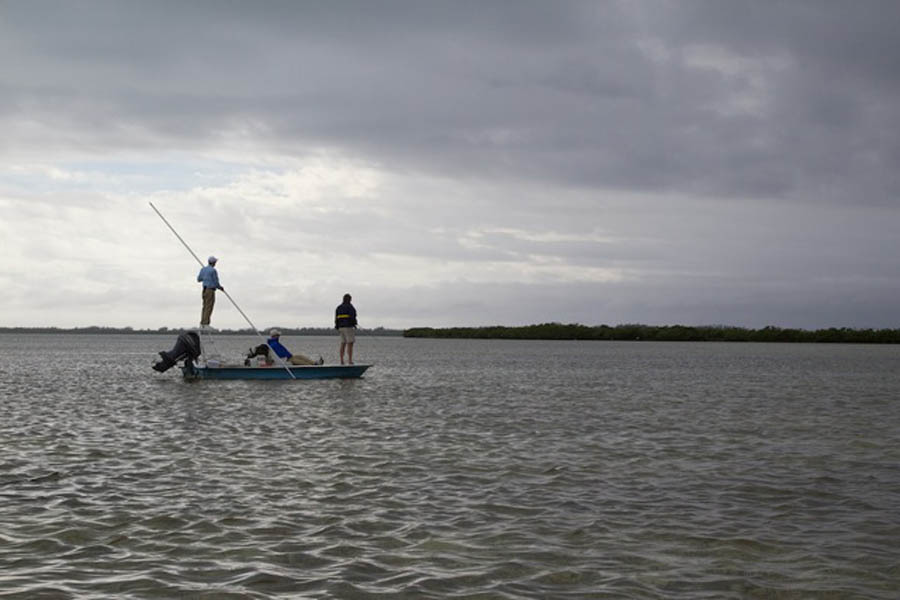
pixel 664 333
pixel 546 331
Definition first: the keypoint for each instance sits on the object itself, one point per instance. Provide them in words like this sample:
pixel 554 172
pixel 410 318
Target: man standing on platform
pixel 345 323
pixel 210 279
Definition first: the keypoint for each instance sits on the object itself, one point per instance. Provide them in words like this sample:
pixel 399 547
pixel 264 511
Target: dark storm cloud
pixel 564 92
pixel 833 106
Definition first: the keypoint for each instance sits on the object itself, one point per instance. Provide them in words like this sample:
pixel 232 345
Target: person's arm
pixel 215 280
pixel 200 275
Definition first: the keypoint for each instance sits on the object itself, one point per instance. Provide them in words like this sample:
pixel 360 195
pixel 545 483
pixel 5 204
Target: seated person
pixel 294 359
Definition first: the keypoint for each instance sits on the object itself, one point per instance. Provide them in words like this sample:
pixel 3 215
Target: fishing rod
pixel 227 295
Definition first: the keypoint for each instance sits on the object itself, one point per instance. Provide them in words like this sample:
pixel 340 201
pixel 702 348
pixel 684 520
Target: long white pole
pixel 246 318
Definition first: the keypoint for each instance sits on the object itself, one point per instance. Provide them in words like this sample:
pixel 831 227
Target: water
pixel 454 469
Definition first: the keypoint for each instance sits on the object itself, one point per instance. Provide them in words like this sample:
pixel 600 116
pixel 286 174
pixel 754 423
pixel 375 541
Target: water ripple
pixel 454 469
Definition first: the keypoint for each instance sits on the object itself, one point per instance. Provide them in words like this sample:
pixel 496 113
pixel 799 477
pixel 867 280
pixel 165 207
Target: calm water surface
pixel 454 469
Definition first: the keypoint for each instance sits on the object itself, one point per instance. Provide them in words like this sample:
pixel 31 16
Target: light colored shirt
pixel 209 277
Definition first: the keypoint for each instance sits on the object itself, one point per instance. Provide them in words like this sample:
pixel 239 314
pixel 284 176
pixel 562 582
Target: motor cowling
pixel 187 347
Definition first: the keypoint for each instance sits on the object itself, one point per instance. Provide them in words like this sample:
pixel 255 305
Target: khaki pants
pixel 299 359
pixel 209 300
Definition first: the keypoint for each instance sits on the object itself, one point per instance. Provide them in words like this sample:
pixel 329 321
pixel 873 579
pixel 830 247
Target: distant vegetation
pixel 667 333
pixel 247 331
pixel 554 331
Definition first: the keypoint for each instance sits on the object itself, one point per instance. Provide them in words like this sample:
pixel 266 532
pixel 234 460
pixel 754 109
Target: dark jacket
pixel 344 316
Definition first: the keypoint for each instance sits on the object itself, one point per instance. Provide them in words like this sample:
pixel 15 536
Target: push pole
pixel 227 295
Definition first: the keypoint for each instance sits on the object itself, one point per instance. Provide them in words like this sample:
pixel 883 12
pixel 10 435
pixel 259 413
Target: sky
pixel 451 163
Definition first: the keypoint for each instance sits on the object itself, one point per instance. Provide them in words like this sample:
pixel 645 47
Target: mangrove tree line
pixel 668 333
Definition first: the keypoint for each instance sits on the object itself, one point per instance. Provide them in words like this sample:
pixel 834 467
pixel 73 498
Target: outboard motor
pixel 187 346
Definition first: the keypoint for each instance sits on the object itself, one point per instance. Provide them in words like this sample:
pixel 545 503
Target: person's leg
pixel 343 345
pixel 209 298
pixel 299 359
pixel 350 338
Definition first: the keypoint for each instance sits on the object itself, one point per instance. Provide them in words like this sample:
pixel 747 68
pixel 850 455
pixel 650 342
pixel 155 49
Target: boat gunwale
pixel 273 367
pixel 275 373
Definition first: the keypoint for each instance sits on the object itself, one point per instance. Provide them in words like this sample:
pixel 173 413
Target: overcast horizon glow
pixel 451 164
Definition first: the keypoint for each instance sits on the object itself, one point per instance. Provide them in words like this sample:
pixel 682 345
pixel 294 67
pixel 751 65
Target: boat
pixel 213 371
pixel 199 362
pixel 197 346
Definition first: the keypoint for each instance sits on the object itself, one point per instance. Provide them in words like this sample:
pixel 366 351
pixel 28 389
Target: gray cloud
pixel 731 162
pixel 562 93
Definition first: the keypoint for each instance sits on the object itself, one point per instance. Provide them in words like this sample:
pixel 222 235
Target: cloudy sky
pixel 451 163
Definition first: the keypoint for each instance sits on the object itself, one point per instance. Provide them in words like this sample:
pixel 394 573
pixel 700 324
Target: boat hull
pixel 276 372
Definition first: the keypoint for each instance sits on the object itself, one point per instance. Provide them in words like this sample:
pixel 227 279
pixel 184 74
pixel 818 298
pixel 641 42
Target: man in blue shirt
pixel 280 350
pixel 345 323
pixel 210 279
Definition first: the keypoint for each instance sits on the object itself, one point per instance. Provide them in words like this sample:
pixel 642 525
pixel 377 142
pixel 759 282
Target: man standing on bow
pixel 345 323
pixel 210 279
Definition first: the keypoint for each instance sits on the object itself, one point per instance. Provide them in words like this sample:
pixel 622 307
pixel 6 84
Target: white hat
pixel 212 259
pixel 274 332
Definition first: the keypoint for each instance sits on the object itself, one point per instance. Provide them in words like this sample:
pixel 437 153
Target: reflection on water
pixel 464 469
